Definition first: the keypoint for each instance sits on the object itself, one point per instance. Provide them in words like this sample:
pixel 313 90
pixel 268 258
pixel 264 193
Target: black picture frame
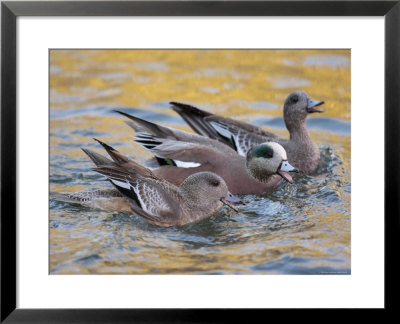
pixel 10 10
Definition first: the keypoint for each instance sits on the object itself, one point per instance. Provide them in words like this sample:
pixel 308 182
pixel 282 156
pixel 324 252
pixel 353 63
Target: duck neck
pixel 298 132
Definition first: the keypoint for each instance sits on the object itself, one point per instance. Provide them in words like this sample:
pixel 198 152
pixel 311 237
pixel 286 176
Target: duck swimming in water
pixel 259 171
pixel 301 151
pixel 140 191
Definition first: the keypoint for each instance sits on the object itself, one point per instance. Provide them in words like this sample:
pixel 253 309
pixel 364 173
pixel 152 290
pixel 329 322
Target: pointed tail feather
pixel 181 107
pixel 121 160
pixel 97 159
pixel 136 127
pixel 152 128
pixel 113 153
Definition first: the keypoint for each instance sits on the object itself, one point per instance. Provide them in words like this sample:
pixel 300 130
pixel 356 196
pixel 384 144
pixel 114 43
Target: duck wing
pixel 239 139
pixel 142 126
pixel 196 119
pixel 156 200
pixel 180 151
pixel 176 147
pixel 238 135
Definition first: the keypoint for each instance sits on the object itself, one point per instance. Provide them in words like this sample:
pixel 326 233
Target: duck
pixel 180 154
pixel 301 151
pixel 139 190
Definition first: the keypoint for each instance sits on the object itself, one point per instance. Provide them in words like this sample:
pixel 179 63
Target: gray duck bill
pixel 313 104
pixel 230 199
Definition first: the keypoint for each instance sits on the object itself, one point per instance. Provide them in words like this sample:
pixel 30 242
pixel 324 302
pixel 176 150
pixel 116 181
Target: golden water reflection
pixel 303 228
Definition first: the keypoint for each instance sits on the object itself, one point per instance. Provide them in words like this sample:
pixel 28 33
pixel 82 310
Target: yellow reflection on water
pixel 228 78
pixel 244 84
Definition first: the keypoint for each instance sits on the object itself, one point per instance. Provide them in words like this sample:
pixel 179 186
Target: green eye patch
pixel 264 151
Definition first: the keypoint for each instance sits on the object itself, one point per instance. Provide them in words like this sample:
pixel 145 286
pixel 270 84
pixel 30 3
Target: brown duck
pixel 140 191
pixel 180 154
pixel 302 152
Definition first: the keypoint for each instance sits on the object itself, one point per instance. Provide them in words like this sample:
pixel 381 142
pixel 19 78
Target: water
pixel 303 228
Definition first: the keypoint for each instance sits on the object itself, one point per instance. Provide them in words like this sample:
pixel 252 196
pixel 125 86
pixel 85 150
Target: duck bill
pixel 284 170
pixel 312 106
pixel 230 199
pixel 285 176
pixel 229 204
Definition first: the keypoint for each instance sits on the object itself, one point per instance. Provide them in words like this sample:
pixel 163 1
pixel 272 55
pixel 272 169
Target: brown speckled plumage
pixel 141 191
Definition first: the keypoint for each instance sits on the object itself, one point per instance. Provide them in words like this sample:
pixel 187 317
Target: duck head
pixel 297 106
pixel 209 187
pixel 267 159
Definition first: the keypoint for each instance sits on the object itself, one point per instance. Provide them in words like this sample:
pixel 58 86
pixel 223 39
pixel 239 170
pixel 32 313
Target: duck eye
pixel 215 183
pixel 295 98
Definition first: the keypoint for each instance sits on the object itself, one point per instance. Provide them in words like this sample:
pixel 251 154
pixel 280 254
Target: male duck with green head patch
pixel 187 153
pixel 274 155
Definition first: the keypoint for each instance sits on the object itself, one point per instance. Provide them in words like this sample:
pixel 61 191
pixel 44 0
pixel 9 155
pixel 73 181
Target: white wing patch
pixel 182 164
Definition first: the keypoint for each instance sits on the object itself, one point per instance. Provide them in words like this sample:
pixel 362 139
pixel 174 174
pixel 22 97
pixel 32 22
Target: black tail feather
pixel 152 128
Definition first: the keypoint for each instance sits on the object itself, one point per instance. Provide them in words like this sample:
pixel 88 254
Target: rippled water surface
pixel 303 228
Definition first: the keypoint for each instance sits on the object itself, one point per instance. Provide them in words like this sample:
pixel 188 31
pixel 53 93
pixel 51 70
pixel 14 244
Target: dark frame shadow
pixel 10 11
